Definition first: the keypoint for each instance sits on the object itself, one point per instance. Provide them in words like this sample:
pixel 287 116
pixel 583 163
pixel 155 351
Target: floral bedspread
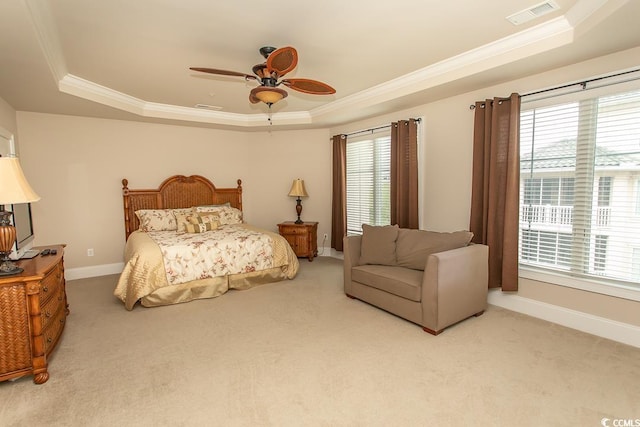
pixel 230 249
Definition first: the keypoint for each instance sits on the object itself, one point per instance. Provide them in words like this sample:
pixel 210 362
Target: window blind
pixel 580 186
pixel 368 182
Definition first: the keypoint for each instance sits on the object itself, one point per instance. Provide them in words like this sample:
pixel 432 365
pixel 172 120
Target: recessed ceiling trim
pixel 77 86
pixel 549 35
pixel 47 35
pixel 583 10
pixel 542 37
pixel 545 36
pixel 74 85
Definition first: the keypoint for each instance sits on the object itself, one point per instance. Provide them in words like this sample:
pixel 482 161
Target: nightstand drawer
pixel 301 237
pixel 293 230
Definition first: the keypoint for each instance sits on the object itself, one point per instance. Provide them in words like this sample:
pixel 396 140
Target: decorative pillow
pixel 182 218
pixel 157 219
pixel 378 244
pixel 227 214
pixel 414 246
pixel 199 223
pixel 205 217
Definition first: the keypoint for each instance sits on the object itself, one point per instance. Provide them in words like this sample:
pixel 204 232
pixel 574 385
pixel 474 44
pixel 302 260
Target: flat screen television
pixel 23 223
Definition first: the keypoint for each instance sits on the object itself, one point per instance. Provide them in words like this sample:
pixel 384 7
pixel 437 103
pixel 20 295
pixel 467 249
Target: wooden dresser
pixel 303 238
pixel 33 311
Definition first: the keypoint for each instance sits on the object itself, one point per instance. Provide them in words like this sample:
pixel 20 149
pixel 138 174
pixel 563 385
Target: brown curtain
pixel 496 186
pixel 404 173
pixel 339 197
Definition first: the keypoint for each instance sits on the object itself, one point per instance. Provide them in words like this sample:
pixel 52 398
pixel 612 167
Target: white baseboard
pixel 93 271
pixel 600 326
pixel 330 252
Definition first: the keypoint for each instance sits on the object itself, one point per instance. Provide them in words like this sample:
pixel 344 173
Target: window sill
pixel 610 289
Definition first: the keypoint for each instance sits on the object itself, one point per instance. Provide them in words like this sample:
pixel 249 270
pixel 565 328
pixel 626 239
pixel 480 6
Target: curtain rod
pixel 374 129
pixel 582 83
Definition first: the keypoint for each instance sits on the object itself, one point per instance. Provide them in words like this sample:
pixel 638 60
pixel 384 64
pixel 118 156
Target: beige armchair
pixel 432 279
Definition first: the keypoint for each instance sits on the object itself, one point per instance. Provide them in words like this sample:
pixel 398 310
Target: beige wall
pixel 447 133
pixel 76 164
pixel 8 118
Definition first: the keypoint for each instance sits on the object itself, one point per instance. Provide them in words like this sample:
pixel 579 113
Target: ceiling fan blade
pixel 260 70
pixel 282 60
pixel 313 87
pixel 223 72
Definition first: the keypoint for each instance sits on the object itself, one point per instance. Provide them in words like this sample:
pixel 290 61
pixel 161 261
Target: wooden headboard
pixel 175 192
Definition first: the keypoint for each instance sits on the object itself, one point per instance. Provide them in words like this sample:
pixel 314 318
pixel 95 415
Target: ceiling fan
pixel 269 74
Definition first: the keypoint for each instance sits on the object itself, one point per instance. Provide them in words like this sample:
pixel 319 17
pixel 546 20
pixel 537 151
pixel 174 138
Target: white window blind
pixel 368 182
pixel 580 186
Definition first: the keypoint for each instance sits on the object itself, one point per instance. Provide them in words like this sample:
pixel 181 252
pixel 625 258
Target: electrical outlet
pixel 90 252
pixel 326 236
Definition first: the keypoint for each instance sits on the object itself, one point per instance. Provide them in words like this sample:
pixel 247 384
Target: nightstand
pixel 303 238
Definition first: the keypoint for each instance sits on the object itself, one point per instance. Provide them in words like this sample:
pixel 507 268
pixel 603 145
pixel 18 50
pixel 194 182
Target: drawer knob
pixel 47 314
pixel 45 289
pixel 49 340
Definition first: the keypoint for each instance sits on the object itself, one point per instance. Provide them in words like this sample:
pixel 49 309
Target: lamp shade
pixel 297 189
pixel 14 187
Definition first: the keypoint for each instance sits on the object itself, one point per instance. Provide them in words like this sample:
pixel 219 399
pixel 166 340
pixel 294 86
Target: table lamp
pixel 298 190
pixel 14 188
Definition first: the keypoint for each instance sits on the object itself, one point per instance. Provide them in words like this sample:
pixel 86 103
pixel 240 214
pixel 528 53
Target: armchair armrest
pixel 455 286
pixel 351 248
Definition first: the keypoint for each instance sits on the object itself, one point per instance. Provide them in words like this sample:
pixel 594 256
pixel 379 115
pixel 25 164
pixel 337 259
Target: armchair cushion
pixel 379 244
pixel 403 282
pixel 414 246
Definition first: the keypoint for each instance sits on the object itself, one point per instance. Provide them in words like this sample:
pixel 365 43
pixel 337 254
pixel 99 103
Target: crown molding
pixel 47 34
pixel 546 36
pixel 554 33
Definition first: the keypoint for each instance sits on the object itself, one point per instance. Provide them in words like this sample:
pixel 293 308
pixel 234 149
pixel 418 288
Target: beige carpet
pixel 300 353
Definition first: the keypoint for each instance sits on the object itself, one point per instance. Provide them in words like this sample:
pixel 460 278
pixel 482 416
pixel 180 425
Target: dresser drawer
pixel 51 307
pixel 51 284
pixel 54 328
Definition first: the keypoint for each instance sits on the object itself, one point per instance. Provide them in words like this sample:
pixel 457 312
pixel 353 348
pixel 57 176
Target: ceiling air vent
pixel 533 12
pixel 208 107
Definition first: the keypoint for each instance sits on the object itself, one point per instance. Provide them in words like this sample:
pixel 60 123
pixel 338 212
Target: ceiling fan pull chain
pixel 269 117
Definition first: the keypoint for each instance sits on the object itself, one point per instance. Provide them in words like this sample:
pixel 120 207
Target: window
pixel 580 171
pixel 368 182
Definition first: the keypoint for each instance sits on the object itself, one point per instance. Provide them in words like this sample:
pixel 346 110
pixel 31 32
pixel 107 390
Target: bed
pixel 187 240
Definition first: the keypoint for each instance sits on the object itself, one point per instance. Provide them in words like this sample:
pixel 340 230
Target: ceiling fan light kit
pixel 278 63
pixel 268 95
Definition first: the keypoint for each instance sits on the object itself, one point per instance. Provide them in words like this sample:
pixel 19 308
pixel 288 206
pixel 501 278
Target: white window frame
pixel 610 288
pixel 380 133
